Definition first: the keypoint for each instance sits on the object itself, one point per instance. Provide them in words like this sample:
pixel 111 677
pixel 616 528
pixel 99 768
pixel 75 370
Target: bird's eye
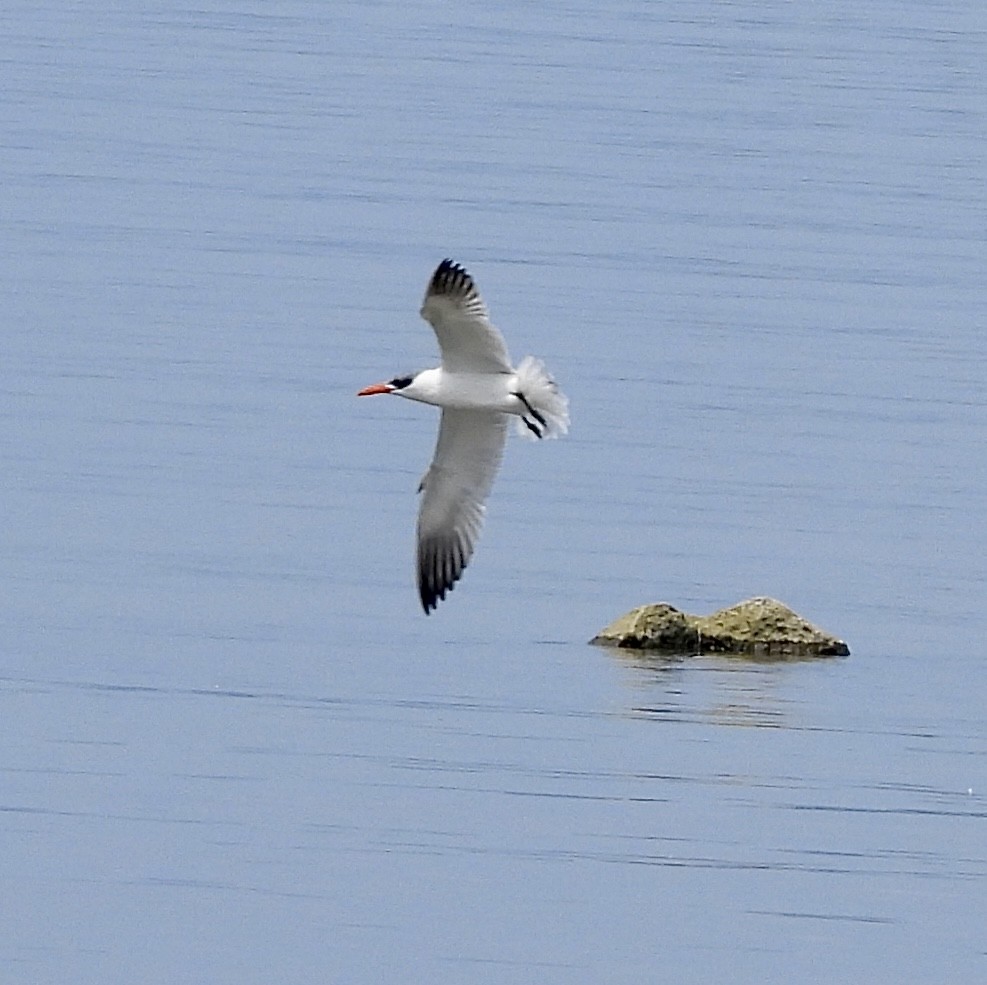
pixel 400 382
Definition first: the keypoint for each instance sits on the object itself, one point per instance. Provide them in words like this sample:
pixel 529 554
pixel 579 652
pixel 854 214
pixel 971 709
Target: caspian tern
pixel 477 388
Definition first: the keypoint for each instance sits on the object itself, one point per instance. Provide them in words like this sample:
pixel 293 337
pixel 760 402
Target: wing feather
pixel 454 492
pixel 455 310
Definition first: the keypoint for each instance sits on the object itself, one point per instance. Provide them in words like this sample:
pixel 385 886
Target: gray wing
pixel 454 308
pixel 454 491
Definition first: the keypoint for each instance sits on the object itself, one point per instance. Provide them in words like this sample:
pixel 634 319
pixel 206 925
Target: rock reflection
pixel 737 691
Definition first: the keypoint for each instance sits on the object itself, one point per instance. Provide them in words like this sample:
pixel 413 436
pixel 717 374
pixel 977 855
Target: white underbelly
pixel 473 391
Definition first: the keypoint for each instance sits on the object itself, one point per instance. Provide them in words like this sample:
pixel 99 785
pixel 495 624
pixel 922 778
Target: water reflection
pixel 732 690
pixel 645 660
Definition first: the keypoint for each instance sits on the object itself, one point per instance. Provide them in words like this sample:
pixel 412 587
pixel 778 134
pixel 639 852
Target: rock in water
pixel 759 627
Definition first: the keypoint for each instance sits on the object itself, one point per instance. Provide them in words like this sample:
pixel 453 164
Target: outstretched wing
pixel 454 491
pixel 454 308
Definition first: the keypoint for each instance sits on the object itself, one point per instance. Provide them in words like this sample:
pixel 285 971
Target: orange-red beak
pixel 369 391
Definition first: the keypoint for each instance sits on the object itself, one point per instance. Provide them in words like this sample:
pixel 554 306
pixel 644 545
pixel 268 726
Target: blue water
pixel 747 238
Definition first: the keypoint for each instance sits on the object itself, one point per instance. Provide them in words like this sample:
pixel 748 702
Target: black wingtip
pixel 432 596
pixel 441 564
pixel 450 278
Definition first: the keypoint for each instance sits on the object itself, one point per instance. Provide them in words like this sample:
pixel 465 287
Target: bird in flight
pixel 478 389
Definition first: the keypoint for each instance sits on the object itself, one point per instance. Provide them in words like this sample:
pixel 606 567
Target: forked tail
pixel 544 407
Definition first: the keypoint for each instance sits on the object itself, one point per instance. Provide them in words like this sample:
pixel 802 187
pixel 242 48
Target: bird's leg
pixel 531 427
pixel 538 433
pixel 531 410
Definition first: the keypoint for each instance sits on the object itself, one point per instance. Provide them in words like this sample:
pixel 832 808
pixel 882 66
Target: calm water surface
pixel 748 238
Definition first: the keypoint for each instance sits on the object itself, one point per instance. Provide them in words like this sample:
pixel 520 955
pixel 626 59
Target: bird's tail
pixel 544 407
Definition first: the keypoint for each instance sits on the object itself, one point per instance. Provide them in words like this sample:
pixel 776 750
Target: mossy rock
pixel 759 627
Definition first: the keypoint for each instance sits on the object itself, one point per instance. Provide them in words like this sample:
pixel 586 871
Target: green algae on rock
pixel 759 627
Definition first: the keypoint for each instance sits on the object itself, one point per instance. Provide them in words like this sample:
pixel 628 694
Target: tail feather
pixel 545 408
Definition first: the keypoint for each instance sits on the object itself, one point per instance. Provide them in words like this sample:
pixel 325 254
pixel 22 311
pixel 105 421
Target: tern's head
pixel 398 383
